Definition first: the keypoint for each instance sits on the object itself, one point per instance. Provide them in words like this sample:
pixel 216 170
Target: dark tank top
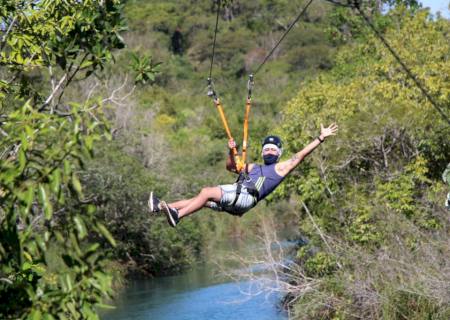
pixel 265 179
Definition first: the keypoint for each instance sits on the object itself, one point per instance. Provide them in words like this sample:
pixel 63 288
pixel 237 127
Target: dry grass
pixel 402 279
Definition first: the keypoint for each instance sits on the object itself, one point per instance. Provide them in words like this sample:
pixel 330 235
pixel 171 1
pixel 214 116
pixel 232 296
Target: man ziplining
pixel 255 182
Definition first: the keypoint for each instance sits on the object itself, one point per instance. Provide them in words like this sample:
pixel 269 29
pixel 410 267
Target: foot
pixel 171 214
pixel 154 203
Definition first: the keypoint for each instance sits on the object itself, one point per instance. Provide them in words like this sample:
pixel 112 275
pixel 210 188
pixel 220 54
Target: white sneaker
pixel 153 203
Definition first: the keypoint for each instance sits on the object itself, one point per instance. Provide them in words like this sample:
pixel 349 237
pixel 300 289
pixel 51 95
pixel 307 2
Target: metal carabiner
pixel 211 92
pixel 250 84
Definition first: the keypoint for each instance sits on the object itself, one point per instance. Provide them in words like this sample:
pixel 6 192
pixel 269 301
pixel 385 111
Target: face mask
pixel 270 159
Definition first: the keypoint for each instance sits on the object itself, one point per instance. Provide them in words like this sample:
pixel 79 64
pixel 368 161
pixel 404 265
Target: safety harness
pixel 252 188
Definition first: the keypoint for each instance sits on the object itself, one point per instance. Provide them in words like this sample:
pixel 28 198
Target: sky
pixel 437 5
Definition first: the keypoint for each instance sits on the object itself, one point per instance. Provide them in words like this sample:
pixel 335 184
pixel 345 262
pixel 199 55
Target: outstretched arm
pixel 283 168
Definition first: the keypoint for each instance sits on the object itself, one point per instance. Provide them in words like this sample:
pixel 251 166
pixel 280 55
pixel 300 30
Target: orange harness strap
pixel 244 139
pixel 240 162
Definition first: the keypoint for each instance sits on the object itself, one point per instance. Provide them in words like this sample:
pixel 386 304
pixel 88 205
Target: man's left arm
pixel 283 168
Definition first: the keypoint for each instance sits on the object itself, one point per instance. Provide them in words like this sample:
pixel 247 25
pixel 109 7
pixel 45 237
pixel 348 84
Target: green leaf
pixel 56 181
pixel 74 244
pixel 41 242
pixel 67 167
pixel 24 140
pixel 81 228
pixel 48 316
pixel 22 159
pixel 35 314
pixel 89 142
pixel 76 184
pixel 26 265
pixel 93 247
pixel 86 64
pixel 91 208
pixel 46 236
pixel 48 208
pixel 106 306
pixel 29 196
pixel 72 310
pixel 39 269
pixel 27 256
pixel 68 282
pixel 106 234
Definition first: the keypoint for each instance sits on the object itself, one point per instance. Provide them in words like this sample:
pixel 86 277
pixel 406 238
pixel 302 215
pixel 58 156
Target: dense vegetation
pixel 370 199
pixel 50 262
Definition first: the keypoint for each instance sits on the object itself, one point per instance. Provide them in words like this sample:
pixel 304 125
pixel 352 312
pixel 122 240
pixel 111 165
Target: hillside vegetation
pixel 103 101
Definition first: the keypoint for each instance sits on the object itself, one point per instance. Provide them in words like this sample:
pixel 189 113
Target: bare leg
pixel 181 203
pixel 198 202
pixel 184 203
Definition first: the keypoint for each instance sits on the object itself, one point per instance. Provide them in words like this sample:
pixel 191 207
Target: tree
pixel 375 190
pixel 50 265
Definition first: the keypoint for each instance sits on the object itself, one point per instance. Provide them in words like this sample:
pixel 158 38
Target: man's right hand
pixel 231 144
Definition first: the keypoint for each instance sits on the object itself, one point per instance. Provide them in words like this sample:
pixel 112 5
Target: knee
pixel 209 192
pixel 205 191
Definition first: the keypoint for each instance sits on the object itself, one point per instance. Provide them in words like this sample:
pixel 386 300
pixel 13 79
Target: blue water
pixel 224 301
pixel 195 295
pixel 202 294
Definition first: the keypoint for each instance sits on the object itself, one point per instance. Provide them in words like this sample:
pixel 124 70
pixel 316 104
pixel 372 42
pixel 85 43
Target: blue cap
pixel 273 140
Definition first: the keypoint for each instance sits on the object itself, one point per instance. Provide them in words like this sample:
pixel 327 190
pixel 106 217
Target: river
pixel 201 293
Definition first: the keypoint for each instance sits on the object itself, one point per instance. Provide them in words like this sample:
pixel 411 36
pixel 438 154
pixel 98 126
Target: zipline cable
pixel 356 4
pixel 284 35
pixel 212 93
pixel 215 35
pixel 240 161
pixel 407 70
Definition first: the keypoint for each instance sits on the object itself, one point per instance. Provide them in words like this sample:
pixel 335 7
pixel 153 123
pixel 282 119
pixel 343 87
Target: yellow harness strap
pixel 244 139
pixel 240 162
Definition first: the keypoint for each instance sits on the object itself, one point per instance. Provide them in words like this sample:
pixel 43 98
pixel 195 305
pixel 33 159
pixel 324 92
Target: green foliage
pixel 321 264
pixel 145 69
pixel 45 142
pixel 400 192
pixel 363 227
pixel 373 189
